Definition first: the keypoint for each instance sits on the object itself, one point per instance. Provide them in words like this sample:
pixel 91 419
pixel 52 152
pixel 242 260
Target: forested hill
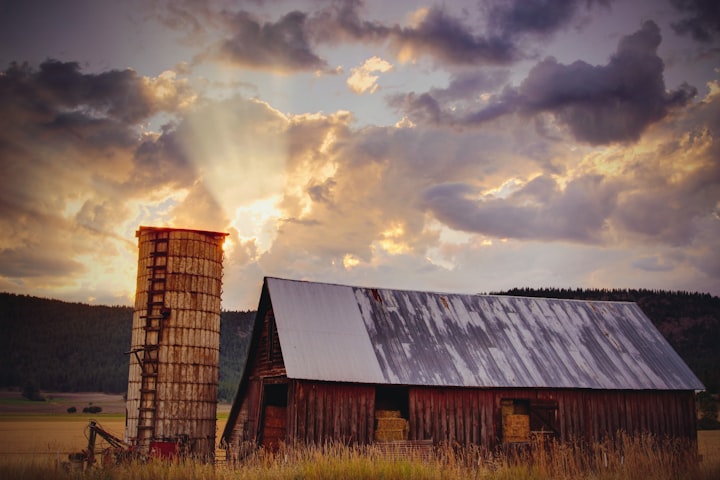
pixel 689 321
pixel 62 346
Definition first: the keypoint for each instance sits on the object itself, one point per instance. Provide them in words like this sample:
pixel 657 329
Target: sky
pixel 455 146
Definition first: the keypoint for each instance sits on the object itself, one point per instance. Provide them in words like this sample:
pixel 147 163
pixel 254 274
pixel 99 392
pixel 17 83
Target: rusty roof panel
pixel 342 333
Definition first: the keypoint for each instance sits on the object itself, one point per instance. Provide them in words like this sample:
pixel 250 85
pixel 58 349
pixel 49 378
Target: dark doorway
pixel 274 428
pixel 391 413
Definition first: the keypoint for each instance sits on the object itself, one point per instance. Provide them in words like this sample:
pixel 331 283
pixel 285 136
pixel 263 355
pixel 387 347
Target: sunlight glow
pixel 507 188
pixel 350 261
pixel 392 242
pixel 258 221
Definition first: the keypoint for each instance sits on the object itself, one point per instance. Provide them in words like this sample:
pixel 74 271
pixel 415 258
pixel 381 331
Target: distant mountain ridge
pixel 63 346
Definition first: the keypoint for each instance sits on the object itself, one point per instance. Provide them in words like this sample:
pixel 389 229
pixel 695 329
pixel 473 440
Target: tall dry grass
pixel 641 457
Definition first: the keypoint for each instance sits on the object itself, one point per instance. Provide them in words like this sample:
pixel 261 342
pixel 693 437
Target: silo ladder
pixel 156 314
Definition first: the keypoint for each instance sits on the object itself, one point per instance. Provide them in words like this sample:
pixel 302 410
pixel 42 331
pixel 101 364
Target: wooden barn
pixel 361 365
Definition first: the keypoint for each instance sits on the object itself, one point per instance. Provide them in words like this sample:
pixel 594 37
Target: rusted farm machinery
pixel 116 452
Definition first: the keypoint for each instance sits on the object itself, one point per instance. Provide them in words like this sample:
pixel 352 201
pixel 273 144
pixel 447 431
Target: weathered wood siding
pixel 321 412
pixel 472 416
pixel 267 362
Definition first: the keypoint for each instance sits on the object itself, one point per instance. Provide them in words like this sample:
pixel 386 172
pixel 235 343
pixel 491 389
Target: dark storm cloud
pixel 533 16
pixel 290 43
pixel 602 104
pixel 342 21
pixel 449 40
pixel 701 19
pixel 56 86
pixel 282 46
pixel 540 211
pixel 599 104
pixel 95 117
pixel 73 155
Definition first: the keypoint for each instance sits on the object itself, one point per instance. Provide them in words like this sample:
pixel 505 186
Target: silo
pixel 174 353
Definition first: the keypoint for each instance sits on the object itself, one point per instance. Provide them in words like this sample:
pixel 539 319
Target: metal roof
pixel 367 335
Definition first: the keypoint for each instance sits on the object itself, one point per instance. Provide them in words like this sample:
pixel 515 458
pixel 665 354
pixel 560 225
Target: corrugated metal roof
pixel 343 333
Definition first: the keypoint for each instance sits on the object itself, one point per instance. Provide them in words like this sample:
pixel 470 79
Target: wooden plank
pixel 354 418
pixel 475 418
pixel 310 432
pixel 675 414
pixel 562 416
pixel 292 412
pixel 320 414
pixel 659 415
pixel 371 414
pixel 337 410
pixel 467 416
pixel 412 415
pixel 450 399
pixel 428 430
pixel 363 418
pixel 345 415
pixel 442 413
pixel 301 411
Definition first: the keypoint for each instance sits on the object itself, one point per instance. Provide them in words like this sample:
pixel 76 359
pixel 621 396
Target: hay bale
pixel 390 435
pixel 516 428
pixel 391 423
pixel 387 414
pixel 391 427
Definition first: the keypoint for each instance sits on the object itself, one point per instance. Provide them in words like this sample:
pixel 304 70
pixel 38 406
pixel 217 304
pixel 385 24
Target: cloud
pixel 291 43
pixel 77 163
pixel 447 37
pixel 362 79
pixel 450 41
pixel 281 46
pixel 117 95
pixel 540 17
pixel 701 21
pixel 576 213
pixel 653 264
pixel 598 104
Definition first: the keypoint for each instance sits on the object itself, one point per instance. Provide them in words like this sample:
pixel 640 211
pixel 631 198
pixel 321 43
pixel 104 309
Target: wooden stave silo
pixel 174 361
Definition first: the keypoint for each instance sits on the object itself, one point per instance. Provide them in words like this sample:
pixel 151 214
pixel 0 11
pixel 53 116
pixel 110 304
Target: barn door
pixel 274 415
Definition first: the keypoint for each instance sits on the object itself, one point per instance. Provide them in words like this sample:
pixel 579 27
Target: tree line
pixel 53 345
pixel 61 346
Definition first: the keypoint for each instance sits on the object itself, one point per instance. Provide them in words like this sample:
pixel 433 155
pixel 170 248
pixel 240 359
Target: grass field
pixel 35 445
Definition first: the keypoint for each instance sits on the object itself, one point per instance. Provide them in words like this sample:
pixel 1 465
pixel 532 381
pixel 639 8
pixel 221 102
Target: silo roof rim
pixel 175 229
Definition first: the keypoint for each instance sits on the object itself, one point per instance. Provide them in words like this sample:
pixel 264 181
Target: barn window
pixel 523 418
pixel 391 413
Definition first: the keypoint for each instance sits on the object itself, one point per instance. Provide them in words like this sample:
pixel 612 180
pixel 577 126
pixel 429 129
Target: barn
pixel 362 365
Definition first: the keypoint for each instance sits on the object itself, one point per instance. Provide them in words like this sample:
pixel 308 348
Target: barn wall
pixel 319 412
pixel 265 363
pixel 465 416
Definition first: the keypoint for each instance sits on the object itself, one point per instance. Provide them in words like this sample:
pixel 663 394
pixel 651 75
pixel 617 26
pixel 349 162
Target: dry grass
pixel 639 458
